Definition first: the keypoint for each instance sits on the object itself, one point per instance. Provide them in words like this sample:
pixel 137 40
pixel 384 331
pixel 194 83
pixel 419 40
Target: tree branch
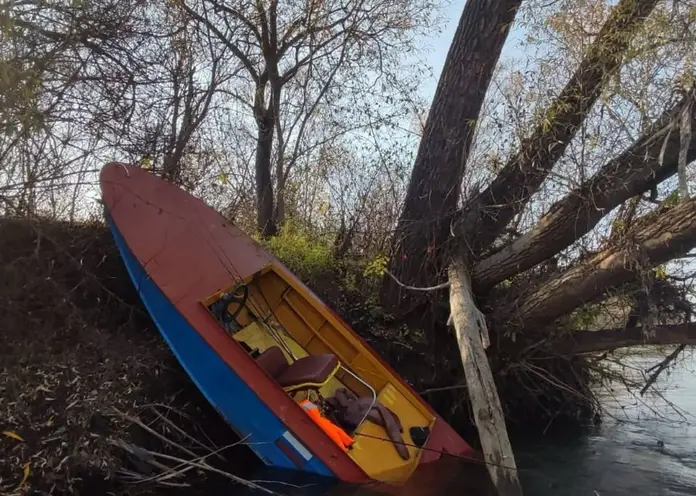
pixel 240 17
pixel 660 367
pixel 634 171
pixel 522 176
pixel 414 288
pixel 656 238
pixel 578 342
pixel 472 338
pixel 231 46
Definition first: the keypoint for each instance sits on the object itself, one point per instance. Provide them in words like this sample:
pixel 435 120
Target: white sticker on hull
pixel 297 445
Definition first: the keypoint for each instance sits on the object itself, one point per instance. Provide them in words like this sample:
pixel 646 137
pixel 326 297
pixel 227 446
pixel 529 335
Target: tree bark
pixel 654 239
pixel 578 342
pixel 522 176
pixel 685 145
pixel 651 160
pixel 436 178
pixel 264 185
pixel 266 125
pixel 469 326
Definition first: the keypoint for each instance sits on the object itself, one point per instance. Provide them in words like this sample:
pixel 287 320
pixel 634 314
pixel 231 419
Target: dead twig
pixel 443 388
pixel 150 430
pixel 660 367
pixel 134 478
pixel 138 452
pixel 205 466
pixel 198 461
pixel 183 467
pixel 184 433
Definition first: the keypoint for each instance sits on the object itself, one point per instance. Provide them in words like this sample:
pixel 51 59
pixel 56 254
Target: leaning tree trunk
pixel 654 239
pixel 472 338
pixel 578 342
pixel 264 185
pixel 649 161
pixel 527 170
pixel 436 178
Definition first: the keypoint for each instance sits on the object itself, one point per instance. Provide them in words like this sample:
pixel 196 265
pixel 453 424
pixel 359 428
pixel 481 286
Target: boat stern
pixel 443 441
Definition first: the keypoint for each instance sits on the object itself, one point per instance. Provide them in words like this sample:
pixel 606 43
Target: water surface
pixel 644 446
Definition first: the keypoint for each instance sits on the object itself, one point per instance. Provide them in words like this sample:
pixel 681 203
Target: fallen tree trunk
pixel 525 172
pixel 579 342
pixel 649 161
pixel 472 337
pixel 654 239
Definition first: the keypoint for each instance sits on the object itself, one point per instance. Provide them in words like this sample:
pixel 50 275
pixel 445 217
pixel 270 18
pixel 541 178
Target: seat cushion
pixel 273 361
pixel 309 371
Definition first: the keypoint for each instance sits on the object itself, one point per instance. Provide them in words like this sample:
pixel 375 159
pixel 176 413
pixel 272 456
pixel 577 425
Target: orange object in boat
pixel 337 434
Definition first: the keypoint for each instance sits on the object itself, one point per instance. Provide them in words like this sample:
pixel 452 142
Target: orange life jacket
pixel 338 435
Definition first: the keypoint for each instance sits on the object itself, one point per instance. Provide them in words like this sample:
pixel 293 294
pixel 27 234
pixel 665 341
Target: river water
pixel 644 446
pixel 647 448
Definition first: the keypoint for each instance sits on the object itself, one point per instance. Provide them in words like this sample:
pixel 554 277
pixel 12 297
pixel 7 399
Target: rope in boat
pixel 253 305
pixel 453 455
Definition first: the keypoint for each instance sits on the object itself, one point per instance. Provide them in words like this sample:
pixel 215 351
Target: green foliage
pixel 672 199
pixel 618 226
pixel 661 272
pixel 350 282
pixel 305 254
pixel 375 268
pixel 585 317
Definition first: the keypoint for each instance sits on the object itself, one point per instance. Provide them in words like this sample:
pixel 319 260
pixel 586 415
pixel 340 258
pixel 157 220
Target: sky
pixel 439 43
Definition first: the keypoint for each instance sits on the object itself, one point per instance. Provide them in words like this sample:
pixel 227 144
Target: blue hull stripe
pixel 222 387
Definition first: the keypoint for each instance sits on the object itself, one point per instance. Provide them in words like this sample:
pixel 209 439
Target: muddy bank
pixel 78 354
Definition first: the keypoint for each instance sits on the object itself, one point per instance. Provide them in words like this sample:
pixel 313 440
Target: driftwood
pixel 472 337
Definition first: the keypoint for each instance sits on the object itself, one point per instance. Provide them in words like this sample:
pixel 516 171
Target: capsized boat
pixel 258 343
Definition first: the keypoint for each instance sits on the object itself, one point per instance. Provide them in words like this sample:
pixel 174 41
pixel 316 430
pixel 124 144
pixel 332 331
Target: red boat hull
pixel 190 251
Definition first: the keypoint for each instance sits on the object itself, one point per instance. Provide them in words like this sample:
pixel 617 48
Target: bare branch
pixel 413 288
pixel 578 342
pixel 660 367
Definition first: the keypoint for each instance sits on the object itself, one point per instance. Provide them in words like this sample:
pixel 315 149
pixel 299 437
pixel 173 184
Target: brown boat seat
pixel 309 372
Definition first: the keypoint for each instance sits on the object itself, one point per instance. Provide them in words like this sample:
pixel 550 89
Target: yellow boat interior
pixel 271 314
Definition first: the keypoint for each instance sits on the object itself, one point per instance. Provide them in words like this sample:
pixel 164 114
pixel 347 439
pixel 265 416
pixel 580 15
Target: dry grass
pixel 76 346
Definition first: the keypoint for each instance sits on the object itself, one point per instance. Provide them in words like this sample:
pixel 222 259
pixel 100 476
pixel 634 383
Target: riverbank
pixel 79 360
